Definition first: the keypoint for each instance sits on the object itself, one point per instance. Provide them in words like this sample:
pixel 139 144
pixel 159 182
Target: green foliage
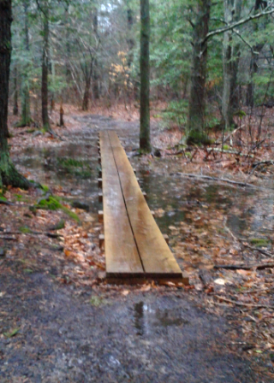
pixel 12 333
pixel 176 113
pixel 76 167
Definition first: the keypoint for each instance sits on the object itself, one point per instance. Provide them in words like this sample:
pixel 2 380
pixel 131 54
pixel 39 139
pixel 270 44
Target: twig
pixel 260 266
pixel 268 11
pixel 243 184
pixel 229 151
pixel 7 237
pixel 234 131
pixel 257 249
pixel 236 303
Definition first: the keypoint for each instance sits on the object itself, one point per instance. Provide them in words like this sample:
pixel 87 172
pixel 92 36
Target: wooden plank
pixel 122 257
pixel 157 259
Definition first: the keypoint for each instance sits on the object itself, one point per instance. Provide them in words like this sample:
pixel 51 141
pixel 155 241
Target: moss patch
pixel 53 203
pixel 259 242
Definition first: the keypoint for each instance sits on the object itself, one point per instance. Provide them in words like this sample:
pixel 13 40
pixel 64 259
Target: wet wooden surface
pixel 129 226
pixel 122 256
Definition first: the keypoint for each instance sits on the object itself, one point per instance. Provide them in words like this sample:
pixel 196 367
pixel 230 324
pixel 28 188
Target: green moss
pixel 24 229
pixel 198 138
pixel 259 242
pixel 226 147
pixel 2 198
pixel 52 203
pixel 45 188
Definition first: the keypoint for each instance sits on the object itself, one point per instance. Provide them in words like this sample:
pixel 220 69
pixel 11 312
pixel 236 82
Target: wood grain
pixel 122 257
pixel 157 259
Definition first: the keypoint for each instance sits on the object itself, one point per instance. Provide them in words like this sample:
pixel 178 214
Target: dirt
pixel 60 321
pixel 67 335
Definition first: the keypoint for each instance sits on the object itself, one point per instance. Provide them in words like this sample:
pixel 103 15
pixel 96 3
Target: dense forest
pixel 211 62
pixel 179 93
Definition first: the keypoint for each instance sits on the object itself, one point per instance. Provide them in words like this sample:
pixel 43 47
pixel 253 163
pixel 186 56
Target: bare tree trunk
pixel 130 40
pixel 254 59
pixel 45 65
pixel 15 99
pixel 196 110
pixel 145 83
pixel 62 123
pixel 25 112
pixel 8 173
pixel 231 57
pixel 85 104
pixel 95 75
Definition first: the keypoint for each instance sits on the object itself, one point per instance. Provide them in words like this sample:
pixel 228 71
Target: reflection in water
pixel 177 196
pixel 147 320
pixel 139 317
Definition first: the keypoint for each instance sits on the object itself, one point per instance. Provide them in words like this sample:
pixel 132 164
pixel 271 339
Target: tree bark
pixel 15 99
pixel 231 57
pixel 8 173
pixel 254 59
pixel 145 83
pixel 196 109
pixel 45 65
pixel 86 97
pixel 95 75
pixel 25 112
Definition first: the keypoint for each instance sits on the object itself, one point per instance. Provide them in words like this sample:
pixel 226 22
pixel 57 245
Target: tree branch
pixel 240 22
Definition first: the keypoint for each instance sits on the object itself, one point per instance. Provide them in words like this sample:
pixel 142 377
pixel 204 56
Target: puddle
pixel 186 209
pixel 148 319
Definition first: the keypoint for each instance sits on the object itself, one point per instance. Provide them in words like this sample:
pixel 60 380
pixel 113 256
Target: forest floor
pixel 59 319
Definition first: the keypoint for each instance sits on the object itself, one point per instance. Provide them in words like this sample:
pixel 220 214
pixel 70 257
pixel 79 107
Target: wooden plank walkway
pixel 134 245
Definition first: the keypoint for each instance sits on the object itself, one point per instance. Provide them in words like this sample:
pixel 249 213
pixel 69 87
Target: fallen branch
pixel 226 180
pixel 251 305
pixel 7 237
pixel 234 131
pixel 257 249
pixel 229 151
pixel 266 163
pixel 260 266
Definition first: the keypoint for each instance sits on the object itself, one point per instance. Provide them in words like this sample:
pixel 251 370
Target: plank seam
pixel 139 253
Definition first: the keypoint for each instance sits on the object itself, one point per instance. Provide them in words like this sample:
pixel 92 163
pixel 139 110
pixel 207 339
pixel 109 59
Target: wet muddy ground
pixel 64 333
pixel 146 337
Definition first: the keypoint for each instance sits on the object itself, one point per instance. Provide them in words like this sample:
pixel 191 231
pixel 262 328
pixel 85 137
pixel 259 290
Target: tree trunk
pixel 254 59
pixel 196 110
pixel 130 40
pixel 145 72
pixel 8 173
pixel 62 123
pixel 86 97
pixel 95 75
pixel 231 57
pixel 45 65
pixel 25 116
pixel 15 99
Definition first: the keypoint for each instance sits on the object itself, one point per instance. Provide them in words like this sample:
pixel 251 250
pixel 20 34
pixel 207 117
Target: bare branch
pixel 268 11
